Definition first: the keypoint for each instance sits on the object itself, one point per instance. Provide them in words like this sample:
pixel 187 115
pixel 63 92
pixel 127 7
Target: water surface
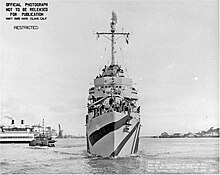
pixel 165 156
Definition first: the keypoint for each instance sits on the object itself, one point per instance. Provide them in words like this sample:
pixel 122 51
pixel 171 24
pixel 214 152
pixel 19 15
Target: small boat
pixel 42 140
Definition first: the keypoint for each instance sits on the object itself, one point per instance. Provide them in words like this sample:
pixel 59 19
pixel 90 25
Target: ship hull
pixel 15 142
pixel 113 134
pixel 16 138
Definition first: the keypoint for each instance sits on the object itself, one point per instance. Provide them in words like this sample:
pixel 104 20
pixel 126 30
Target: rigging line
pixel 127 71
pixel 122 55
pixel 106 37
pixel 123 59
pixel 104 57
pixel 118 38
pixel 105 46
pixel 130 58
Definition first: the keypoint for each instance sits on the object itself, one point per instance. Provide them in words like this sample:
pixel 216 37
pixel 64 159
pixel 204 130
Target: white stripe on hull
pixel 104 147
pixel 119 136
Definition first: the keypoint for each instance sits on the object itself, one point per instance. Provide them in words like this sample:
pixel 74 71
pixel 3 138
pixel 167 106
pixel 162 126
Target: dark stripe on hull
pixel 87 143
pixel 9 142
pixel 97 135
pixel 137 141
pixel 121 145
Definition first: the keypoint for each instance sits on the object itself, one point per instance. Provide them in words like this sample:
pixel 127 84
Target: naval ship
pixel 113 119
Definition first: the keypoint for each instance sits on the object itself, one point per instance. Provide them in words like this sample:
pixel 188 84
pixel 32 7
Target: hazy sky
pixel 172 57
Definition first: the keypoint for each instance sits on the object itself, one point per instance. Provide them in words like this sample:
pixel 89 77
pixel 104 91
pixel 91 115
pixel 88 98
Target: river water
pixel 156 156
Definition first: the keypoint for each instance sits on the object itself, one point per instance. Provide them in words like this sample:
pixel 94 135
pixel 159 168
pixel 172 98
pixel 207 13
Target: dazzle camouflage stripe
pixel 134 140
pixel 121 145
pixel 87 140
pixel 97 135
pixel 137 141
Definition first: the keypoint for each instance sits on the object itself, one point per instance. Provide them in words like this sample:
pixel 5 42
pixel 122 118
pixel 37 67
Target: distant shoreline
pixel 74 137
pixel 210 133
pixel 177 137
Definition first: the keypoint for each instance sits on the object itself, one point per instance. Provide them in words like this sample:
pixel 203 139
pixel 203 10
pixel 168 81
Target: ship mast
pixel 113 33
pixel 113 23
pixel 43 126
